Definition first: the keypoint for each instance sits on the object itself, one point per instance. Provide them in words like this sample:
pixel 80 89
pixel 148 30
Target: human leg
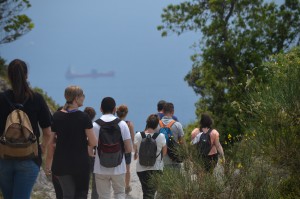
pixel 57 187
pixel 127 179
pixel 103 186
pixel 94 188
pixel 148 190
pixel 81 184
pixel 25 175
pixel 94 194
pixel 118 185
pixel 68 186
pixel 6 178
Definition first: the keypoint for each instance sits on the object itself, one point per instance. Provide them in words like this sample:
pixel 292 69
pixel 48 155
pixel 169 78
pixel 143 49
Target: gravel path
pixel 136 192
pixel 44 188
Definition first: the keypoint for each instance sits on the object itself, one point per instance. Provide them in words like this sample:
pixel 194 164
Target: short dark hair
pixel 168 107
pixel 160 105
pixel 108 104
pixel 152 121
pixel 205 121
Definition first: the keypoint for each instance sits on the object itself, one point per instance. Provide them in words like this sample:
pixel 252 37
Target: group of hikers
pixel 77 147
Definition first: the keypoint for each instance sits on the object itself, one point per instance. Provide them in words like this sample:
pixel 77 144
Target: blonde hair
pixel 71 92
pixel 122 111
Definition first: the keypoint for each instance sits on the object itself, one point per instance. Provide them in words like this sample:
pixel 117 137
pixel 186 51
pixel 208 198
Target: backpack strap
pixel 171 123
pixel 102 123
pixel 143 134
pixel 14 105
pixel 155 135
pixel 161 124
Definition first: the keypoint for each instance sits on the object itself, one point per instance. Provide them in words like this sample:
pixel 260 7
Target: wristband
pixel 128 158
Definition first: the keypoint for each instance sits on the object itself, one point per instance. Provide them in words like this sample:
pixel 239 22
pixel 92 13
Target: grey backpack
pixel 148 149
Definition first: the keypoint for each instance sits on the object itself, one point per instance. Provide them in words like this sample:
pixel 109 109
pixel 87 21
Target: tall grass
pixel 265 162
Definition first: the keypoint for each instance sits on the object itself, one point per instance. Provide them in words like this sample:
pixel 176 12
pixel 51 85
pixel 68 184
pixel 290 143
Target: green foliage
pixel 2 67
pixel 237 36
pixel 271 112
pixel 13 24
pixel 50 102
pixel 265 162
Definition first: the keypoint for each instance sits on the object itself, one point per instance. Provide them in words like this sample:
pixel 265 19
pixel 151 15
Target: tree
pixel 236 37
pixel 13 24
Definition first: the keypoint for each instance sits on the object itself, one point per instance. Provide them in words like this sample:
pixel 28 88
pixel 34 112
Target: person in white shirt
pixel 107 178
pixel 144 172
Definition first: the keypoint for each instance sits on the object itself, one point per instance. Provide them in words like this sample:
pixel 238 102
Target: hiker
pixel 17 176
pixel 122 112
pixel 92 150
pixel 160 113
pixel 145 172
pixel 74 131
pixel 214 149
pixel 114 141
pixel 176 129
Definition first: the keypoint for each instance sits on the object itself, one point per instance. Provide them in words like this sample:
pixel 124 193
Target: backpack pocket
pixel 111 155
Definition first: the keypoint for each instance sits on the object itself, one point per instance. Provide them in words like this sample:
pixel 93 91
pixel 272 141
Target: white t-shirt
pixel 121 169
pixel 160 142
pixel 197 138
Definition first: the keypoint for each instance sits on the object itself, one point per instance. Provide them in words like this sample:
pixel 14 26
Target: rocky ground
pixel 44 188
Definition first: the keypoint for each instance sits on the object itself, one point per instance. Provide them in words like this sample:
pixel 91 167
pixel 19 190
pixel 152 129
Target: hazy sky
pixel 108 35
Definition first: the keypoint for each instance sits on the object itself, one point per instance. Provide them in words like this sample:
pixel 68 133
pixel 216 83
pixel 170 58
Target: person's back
pixel 145 172
pixel 14 180
pixel 209 155
pixel 73 129
pixel 176 128
pixel 107 177
pixel 122 112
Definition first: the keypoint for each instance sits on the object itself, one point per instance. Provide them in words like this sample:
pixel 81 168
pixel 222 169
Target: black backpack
pixel 148 149
pixel 110 143
pixel 204 144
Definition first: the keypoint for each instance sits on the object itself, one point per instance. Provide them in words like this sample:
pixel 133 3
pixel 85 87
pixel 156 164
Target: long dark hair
pixel 17 75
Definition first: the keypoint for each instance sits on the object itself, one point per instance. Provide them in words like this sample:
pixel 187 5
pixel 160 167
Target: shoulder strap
pixel 102 123
pixel 14 105
pixel 161 124
pixel 155 135
pixel 171 123
pixel 143 134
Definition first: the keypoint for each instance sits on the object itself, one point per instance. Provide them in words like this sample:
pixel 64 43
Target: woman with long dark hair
pixel 17 176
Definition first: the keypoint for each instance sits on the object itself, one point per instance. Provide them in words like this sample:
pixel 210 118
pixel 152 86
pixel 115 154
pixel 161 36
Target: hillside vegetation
pixel 264 162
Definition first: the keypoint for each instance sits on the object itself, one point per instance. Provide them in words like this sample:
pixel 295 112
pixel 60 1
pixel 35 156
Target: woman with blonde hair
pixel 122 112
pixel 74 131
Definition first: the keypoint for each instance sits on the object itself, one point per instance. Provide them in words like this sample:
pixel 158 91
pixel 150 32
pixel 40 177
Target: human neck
pixel 149 130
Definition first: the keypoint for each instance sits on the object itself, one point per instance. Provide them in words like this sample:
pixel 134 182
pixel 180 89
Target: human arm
pixel 47 139
pixel 164 150
pixel 135 151
pixel 131 129
pixel 217 144
pixel 127 146
pixel 50 154
pixel 220 149
pixel 92 140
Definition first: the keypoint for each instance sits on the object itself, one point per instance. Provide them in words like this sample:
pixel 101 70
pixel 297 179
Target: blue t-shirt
pixel 160 115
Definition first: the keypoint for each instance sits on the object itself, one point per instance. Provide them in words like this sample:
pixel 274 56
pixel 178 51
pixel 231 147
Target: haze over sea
pixel 119 36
